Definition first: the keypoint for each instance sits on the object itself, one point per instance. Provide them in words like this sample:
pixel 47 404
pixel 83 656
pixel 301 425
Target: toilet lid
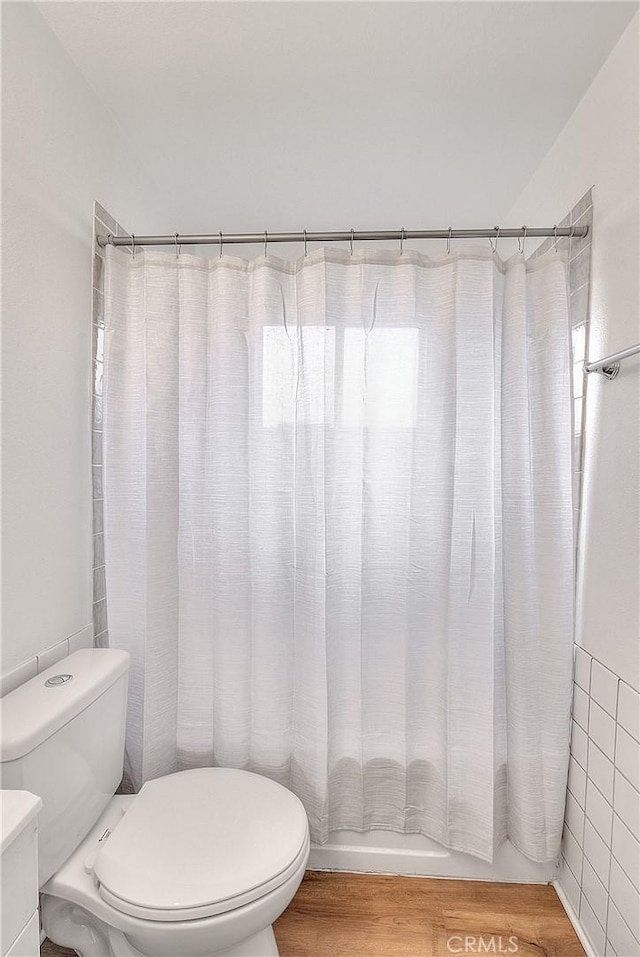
pixel 202 842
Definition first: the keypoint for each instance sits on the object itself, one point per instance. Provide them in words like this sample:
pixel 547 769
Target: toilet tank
pixel 62 738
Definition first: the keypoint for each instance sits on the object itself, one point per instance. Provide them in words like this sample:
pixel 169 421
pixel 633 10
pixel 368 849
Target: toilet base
pixel 72 926
pixel 262 944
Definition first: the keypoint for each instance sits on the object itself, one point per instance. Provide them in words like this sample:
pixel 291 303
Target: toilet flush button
pixel 57 680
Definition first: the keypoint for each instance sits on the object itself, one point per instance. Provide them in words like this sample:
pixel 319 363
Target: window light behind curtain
pixel 338 527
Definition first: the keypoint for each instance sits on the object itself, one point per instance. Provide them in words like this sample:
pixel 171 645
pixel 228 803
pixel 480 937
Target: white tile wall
pixel 581 707
pixel 625 896
pixel 574 819
pixel 103 223
pixel 577 782
pixel 596 852
pixel 17 676
pixel 604 687
pixel 601 771
pixel 629 711
pixel 600 864
pixel 625 849
pixel 599 812
pixel 602 729
pixel 582 669
pixel 29 669
pixel 592 926
pixel 627 757
pixel 620 937
pixel 625 802
pixel 579 744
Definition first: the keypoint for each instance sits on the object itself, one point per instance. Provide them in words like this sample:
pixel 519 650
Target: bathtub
pixel 385 852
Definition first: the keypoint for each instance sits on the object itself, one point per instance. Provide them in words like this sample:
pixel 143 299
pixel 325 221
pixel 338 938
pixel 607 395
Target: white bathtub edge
pixel 430 861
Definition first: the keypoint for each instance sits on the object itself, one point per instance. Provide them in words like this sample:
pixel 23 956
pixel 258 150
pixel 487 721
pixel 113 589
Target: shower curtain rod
pixel 610 365
pixel 345 236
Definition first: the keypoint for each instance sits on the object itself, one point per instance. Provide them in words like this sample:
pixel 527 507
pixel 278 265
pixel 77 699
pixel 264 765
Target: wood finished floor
pixel 366 915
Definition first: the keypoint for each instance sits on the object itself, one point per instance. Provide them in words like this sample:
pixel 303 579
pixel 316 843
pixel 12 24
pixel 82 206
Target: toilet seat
pixel 199 843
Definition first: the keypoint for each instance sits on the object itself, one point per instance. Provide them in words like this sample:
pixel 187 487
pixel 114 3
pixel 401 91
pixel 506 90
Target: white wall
pixel 61 151
pixel 600 146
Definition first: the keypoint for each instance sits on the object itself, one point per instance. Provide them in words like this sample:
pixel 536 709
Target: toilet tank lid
pixel 40 707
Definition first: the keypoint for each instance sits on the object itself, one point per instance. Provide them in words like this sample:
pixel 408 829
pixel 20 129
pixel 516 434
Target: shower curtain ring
pixel 304 233
pixel 524 239
pixel 133 245
pixel 449 240
pixel 351 242
pixel 555 237
pixel 220 235
pixel 177 246
pixel 494 245
pixel 402 241
pixel 266 239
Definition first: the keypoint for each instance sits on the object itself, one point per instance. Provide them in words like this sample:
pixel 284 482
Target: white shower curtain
pixel 338 529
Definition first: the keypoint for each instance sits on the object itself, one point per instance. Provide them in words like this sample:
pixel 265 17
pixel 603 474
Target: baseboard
pixel 573 917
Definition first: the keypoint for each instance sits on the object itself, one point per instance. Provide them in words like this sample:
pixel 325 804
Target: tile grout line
pixel 606 667
pixel 584 819
pixel 613 796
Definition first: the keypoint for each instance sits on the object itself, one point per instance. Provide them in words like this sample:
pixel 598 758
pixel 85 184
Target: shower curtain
pixel 338 530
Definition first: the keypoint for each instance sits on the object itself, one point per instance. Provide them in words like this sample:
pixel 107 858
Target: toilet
pixel 198 863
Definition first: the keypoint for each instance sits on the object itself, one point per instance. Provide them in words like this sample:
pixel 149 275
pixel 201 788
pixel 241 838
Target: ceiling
pixel 338 114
